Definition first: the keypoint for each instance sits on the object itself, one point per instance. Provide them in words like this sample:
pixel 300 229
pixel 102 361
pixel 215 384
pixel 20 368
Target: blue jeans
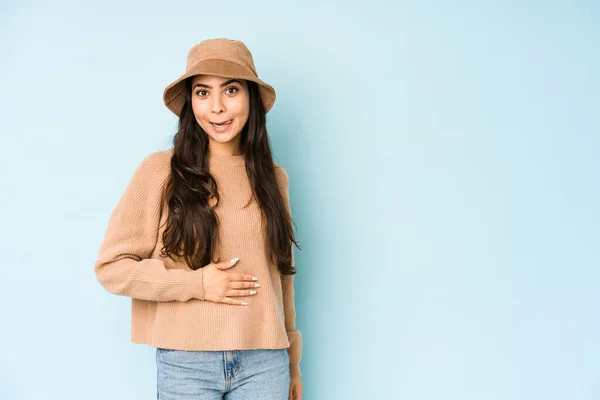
pixel 261 374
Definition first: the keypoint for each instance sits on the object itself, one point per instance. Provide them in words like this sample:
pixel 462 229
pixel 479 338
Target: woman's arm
pixel 287 283
pixel 123 265
pixel 294 335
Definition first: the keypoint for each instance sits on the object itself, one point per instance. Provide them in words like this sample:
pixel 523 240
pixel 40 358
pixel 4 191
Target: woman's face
pixel 217 100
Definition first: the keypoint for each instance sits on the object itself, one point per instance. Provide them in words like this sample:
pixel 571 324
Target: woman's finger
pixel 234 292
pixel 241 277
pixel 229 300
pixel 242 285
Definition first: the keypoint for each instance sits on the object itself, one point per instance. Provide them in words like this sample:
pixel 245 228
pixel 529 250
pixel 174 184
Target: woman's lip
pixel 222 128
pixel 223 123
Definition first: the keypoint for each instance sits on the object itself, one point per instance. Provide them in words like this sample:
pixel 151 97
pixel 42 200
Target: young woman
pixel 202 239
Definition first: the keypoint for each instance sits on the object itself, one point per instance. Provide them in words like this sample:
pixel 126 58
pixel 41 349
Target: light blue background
pixel 443 162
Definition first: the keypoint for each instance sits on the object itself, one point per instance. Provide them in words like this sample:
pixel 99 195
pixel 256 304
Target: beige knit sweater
pixel 167 306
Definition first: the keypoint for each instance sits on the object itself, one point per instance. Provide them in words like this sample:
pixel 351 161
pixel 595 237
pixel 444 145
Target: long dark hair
pixel 192 231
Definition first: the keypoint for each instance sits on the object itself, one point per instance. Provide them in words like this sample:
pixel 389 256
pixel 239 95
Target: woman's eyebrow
pixel 222 84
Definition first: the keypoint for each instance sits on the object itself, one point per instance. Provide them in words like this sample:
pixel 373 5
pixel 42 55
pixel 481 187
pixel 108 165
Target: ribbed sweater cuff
pixel 191 282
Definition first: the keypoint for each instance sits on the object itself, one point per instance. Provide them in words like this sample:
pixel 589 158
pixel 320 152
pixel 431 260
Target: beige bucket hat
pixel 222 57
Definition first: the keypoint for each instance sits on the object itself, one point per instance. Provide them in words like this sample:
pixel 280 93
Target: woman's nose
pixel 217 105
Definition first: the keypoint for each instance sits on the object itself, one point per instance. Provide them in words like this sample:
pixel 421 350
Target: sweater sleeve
pixel 123 265
pixel 287 283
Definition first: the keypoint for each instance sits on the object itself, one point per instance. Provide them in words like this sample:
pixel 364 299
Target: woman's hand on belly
pixel 220 286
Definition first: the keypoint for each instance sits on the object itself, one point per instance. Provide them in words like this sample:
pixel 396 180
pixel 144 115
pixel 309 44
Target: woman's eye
pixel 200 91
pixel 234 88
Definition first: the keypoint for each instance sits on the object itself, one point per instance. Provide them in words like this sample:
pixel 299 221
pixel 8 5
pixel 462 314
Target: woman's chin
pixel 223 138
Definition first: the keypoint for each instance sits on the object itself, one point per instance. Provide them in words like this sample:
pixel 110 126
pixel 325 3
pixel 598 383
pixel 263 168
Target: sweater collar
pixel 218 159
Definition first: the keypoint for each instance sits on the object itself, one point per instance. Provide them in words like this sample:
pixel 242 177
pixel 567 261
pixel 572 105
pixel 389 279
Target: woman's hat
pixel 221 57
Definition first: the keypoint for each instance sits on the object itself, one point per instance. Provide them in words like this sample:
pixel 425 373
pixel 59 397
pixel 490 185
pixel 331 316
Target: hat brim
pixel 174 94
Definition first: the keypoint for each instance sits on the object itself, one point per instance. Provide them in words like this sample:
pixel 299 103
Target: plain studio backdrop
pixel 444 168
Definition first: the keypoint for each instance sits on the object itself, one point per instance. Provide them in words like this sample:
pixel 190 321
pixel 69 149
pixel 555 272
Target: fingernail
pixel 253 292
pixel 244 303
pixel 234 260
pixel 257 285
pixel 254 278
